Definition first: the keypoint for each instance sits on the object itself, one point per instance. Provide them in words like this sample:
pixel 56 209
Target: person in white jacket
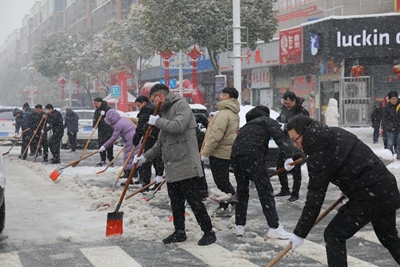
pixel 332 114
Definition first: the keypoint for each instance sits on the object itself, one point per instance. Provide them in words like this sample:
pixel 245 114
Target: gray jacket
pixel 177 140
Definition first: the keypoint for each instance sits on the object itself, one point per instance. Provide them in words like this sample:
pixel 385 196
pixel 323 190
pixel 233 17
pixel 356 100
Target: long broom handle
pixel 205 136
pixel 320 217
pixel 40 138
pixel 33 135
pixel 15 135
pixel 146 136
pixel 91 135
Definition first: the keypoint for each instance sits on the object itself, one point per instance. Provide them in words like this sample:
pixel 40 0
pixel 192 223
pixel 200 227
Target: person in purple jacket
pixel 124 128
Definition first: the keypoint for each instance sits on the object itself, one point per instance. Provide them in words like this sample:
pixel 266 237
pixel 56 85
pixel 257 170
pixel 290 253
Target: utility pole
pixel 237 45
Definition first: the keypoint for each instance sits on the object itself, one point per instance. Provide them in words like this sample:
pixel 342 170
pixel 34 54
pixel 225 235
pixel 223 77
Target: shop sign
pixel 290 46
pixel 260 78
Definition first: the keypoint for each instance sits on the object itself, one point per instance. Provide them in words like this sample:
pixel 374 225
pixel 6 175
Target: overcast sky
pixel 11 14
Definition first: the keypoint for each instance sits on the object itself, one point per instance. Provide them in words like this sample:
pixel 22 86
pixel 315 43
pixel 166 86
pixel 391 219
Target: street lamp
pixel 31 72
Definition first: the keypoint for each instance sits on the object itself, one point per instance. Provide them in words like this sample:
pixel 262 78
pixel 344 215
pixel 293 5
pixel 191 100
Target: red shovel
pixel 54 175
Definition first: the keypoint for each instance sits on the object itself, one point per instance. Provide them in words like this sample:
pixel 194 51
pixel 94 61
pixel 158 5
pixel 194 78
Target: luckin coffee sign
pixel 366 37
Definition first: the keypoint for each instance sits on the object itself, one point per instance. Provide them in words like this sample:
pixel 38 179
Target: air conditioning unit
pixel 355 115
pixel 355 90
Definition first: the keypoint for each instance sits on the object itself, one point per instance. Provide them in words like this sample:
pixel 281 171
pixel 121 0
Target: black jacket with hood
pixel 298 109
pixel 337 156
pixel 105 130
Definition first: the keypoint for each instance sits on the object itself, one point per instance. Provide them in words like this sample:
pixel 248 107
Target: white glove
pixel 158 179
pixel 42 131
pixel 139 160
pixel 94 129
pixel 213 113
pixel 282 126
pixel 102 148
pixel 296 241
pixel 287 166
pixel 203 158
pixel 153 119
pixel 102 112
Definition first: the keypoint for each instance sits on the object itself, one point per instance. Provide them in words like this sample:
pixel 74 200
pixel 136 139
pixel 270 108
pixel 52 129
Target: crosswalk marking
pixel 317 252
pixel 368 235
pixel 10 259
pixel 215 255
pixel 109 257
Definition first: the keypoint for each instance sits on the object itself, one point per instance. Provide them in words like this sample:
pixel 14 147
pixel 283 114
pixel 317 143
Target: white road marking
pixel 368 235
pixel 10 259
pixel 109 257
pixel 317 252
pixel 215 255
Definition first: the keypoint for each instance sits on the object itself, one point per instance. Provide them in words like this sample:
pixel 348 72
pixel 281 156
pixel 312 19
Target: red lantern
pixel 357 71
pixel 27 92
pixel 396 71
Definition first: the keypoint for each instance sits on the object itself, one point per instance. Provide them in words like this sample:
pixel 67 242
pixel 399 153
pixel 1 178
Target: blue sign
pixel 115 91
pixel 162 81
pixel 172 83
pixel 314 44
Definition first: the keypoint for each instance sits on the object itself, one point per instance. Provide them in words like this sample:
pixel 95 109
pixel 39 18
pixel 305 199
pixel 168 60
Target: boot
pixel 283 193
pixel 45 157
pixel 207 239
pixel 126 174
pixel 177 236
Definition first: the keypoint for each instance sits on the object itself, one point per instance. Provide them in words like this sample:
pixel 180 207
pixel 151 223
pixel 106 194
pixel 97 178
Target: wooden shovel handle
pixel 126 162
pixel 16 142
pixel 9 138
pixel 146 136
pixel 79 160
pixel 33 135
pixel 91 135
pixel 140 190
pixel 297 161
pixel 320 217
pixel 41 136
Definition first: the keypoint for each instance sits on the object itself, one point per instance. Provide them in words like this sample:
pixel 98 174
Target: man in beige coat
pixel 221 133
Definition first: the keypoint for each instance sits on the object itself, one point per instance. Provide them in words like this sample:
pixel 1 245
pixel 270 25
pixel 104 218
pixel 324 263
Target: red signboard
pixel 123 101
pixel 290 46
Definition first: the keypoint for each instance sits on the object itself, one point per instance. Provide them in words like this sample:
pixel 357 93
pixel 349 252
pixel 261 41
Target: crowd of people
pixel 176 148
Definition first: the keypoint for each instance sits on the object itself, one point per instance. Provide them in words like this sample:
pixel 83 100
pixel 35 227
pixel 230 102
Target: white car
pixel 85 128
pixel 7 123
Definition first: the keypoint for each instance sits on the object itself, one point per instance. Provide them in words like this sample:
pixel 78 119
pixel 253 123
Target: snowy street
pixel 63 223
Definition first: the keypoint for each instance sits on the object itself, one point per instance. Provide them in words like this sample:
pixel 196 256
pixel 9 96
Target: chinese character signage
pixel 260 78
pixel 290 46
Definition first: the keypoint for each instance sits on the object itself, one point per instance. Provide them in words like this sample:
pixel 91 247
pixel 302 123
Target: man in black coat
pixel 337 156
pixel 292 106
pixel 248 161
pixel 376 118
pixel 71 123
pixel 36 119
pixel 55 124
pixel 391 122
pixel 105 130
pixel 147 108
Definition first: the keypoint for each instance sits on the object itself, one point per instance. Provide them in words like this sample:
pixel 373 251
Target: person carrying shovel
pixel 105 131
pixel 337 156
pixel 178 146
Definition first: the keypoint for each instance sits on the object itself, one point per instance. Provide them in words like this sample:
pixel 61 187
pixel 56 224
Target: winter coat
pixel 105 130
pixel 332 114
pixel 286 114
pixel 71 121
pixel 35 120
pixel 391 117
pixel 337 156
pixel 222 130
pixel 143 117
pixel 376 115
pixel 18 121
pixel 177 140
pixel 254 136
pixel 124 128
pixel 55 123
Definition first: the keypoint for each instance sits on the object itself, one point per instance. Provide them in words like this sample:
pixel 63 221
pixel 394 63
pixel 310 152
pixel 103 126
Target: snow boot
pixel 177 236
pixel 207 239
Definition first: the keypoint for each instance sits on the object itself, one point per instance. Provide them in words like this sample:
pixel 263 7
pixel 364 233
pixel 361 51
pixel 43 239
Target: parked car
pixel 2 197
pixel 7 123
pixel 85 124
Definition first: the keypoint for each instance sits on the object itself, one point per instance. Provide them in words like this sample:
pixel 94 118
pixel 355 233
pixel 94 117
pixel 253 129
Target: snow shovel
pixel 140 190
pixel 9 138
pixel 16 142
pixel 114 219
pixel 320 217
pixel 54 175
pixel 91 135
pixel 33 136
pixel 125 163
pixel 111 163
pixel 151 196
pixel 40 140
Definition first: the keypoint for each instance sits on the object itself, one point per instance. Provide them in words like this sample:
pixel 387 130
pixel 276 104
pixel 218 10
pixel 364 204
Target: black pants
pixel 145 169
pixel 26 136
pixel 345 224
pixel 54 145
pixel 109 152
pixel 72 140
pixel 191 190
pixel 253 168
pixel 376 133
pixel 43 144
pixel 296 173
pixel 220 172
